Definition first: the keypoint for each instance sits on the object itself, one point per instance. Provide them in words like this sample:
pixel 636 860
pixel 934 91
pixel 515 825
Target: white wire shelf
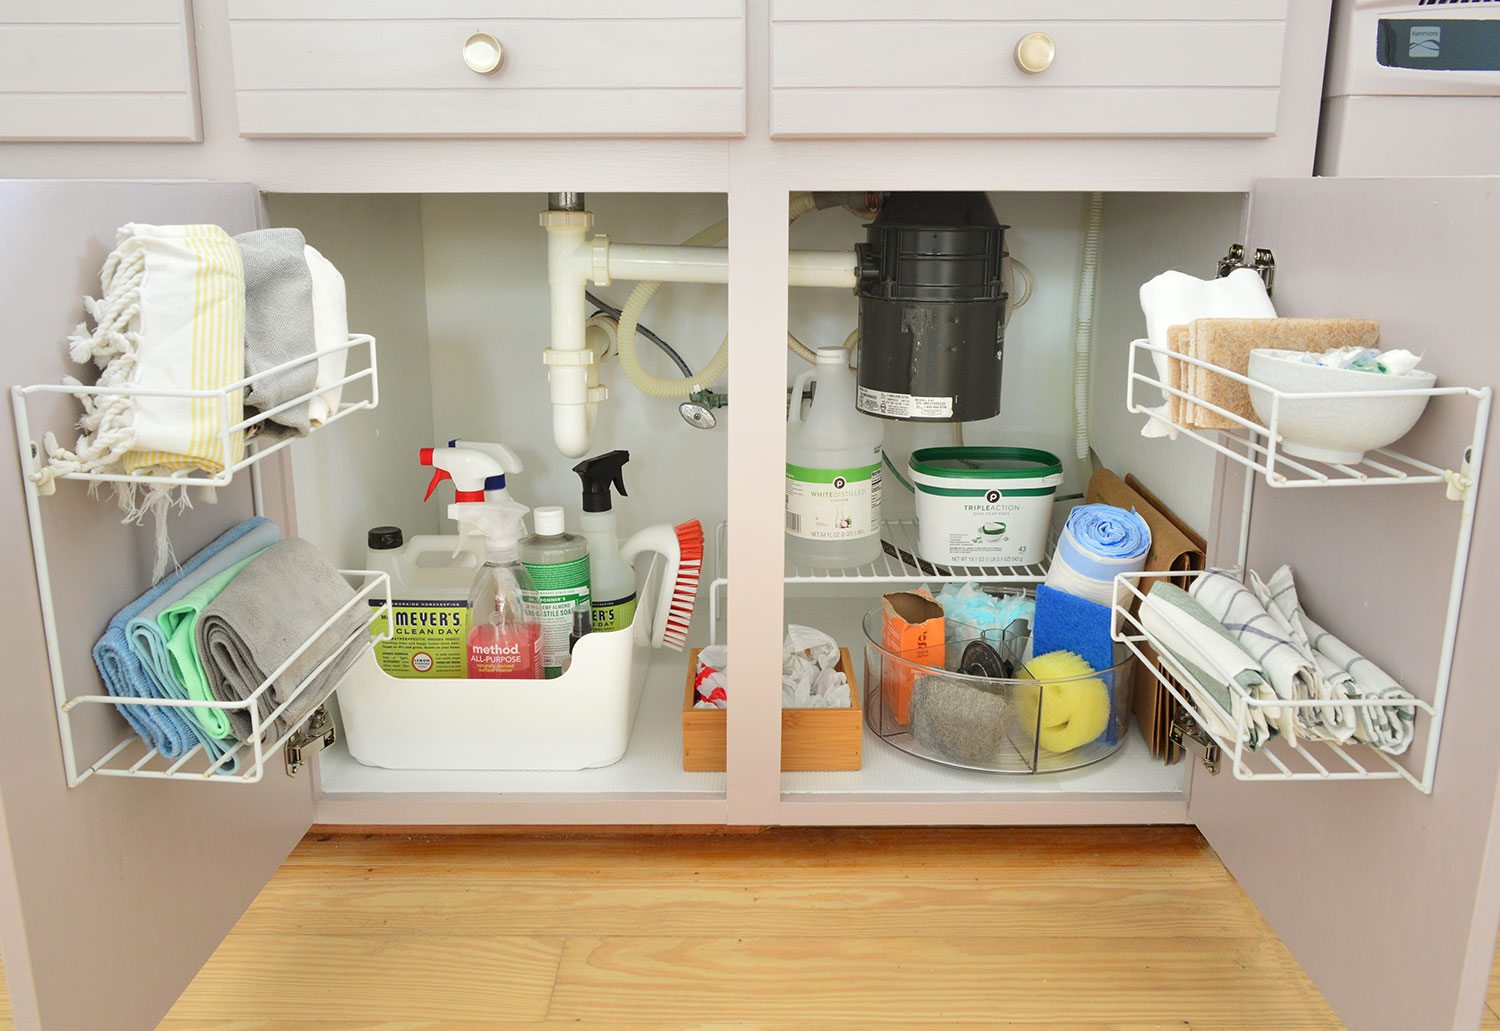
pixel 242 762
pixel 1281 758
pixel 44 476
pixel 1259 446
pixel 133 757
pixel 900 563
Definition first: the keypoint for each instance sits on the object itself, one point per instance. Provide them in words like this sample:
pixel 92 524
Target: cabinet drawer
pixel 950 68
pixel 568 68
pixel 97 70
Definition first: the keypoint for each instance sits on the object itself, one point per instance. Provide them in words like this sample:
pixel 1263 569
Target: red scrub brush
pixel 682 547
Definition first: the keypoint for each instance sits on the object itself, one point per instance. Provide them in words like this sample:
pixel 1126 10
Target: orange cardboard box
pixel 911 626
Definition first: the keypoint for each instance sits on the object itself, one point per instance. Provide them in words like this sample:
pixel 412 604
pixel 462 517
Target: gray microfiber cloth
pixel 261 617
pixel 959 720
pixel 278 326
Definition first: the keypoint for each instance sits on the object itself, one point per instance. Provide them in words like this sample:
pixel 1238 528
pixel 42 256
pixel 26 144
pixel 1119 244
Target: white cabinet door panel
pixel 948 68
pixel 87 70
pixel 328 68
pixel 114 893
pixel 1389 898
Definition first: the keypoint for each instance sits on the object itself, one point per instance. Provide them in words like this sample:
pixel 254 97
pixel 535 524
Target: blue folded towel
pixel 1067 623
pixel 149 643
pixel 171 731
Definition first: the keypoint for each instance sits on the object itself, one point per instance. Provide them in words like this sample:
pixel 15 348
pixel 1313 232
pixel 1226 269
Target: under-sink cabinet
pixel 454 287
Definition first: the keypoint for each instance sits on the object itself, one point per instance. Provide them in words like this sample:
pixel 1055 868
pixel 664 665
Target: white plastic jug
pixel 832 471
pixel 426 564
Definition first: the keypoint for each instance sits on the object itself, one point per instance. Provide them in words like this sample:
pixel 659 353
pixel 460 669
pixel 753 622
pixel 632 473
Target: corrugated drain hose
pixel 799 205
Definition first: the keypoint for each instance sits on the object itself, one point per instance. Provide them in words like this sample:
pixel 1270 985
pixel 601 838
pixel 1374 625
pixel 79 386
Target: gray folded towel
pixel 278 326
pixel 265 614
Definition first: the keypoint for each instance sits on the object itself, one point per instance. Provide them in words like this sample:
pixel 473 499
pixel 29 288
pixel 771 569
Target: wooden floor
pixel 1041 930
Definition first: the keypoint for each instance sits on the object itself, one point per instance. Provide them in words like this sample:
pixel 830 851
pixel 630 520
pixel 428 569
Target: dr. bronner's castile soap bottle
pixel 558 563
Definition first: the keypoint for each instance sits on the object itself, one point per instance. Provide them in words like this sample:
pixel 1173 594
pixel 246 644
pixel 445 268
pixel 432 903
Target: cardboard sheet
pixel 1175 548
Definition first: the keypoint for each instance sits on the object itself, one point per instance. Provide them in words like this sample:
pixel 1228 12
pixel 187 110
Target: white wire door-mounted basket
pixel 130 756
pixel 1282 757
pixel 1258 448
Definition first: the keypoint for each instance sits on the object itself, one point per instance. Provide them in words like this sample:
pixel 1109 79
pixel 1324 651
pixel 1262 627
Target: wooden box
pixel 811 739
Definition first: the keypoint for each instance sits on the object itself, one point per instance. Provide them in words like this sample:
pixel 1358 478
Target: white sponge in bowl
pixel 1340 428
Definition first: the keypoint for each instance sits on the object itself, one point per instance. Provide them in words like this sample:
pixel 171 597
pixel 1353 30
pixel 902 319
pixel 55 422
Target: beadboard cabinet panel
pixel 948 68
pixel 86 70
pixel 587 69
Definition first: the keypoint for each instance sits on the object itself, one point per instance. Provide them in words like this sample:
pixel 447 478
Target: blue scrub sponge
pixel 1069 624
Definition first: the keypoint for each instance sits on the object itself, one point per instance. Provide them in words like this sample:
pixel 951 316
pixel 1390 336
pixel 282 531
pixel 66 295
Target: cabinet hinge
pixel 1264 264
pixel 312 737
pixel 1187 735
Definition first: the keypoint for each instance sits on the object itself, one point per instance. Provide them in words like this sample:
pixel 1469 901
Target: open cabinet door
pixel 113 893
pixel 1389 898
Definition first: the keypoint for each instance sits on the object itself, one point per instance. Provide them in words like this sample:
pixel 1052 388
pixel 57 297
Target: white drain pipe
pixel 574 260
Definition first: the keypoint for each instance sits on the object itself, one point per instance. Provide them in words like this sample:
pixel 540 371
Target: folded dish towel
pixel 1346 673
pixel 330 334
pixel 278 327
pixel 265 614
pixel 1388 728
pixel 1186 632
pixel 170 316
pixel 1175 298
pixel 1279 597
pixel 179 622
pixel 1290 673
pixel 166 729
pixel 1097 543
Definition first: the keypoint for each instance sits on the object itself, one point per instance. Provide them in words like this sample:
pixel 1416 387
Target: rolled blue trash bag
pixel 1098 542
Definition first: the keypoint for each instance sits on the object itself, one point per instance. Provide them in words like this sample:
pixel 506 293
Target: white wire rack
pixel 1282 757
pixel 1258 446
pixel 225 399
pixel 243 762
pixel 899 564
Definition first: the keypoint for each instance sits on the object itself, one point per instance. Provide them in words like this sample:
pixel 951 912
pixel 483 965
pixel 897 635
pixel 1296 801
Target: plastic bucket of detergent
pixel 984 506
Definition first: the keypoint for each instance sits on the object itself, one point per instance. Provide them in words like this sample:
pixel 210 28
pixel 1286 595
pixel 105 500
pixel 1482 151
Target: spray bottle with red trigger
pixel 504 643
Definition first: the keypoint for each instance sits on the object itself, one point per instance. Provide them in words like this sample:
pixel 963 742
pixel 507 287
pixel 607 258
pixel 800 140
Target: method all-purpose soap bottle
pixel 832 471
pixel 612 582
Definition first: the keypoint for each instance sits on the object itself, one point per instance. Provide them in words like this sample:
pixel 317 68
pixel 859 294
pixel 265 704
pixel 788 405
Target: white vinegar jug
pixel 832 471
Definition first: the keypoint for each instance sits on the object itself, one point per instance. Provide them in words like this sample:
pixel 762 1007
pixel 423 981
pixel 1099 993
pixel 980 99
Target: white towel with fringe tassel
pixel 170 316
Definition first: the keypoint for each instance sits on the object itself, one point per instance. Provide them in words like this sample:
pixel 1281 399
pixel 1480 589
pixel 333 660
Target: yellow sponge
pixel 1072 712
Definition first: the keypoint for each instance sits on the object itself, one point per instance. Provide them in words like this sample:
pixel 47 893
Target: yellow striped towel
pixel 171 316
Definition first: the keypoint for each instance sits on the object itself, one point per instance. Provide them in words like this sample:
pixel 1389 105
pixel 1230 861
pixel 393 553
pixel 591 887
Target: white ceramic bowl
pixel 1337 429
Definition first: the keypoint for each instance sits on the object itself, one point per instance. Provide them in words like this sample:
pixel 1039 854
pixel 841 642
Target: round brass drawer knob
pixel 483 53
pixel 1035 52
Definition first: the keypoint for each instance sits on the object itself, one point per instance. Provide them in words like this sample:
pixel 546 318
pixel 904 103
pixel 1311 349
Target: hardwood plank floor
pixel 933 930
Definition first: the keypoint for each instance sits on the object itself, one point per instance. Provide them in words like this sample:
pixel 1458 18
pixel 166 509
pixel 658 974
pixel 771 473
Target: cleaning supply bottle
pixel 504 643
pixel 612 582
pixel 558 563
pixel 832 471
pixel 505 458
pixel 429 602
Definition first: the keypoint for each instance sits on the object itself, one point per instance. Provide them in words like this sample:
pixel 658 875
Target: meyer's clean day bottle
pixel 832 471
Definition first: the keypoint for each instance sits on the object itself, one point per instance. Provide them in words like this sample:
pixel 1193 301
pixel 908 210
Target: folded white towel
pixel 330 329
pixel 1279 597
pixel 1290 673
pixel 1346 674
pixel 1176 298
pixel 1183 630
